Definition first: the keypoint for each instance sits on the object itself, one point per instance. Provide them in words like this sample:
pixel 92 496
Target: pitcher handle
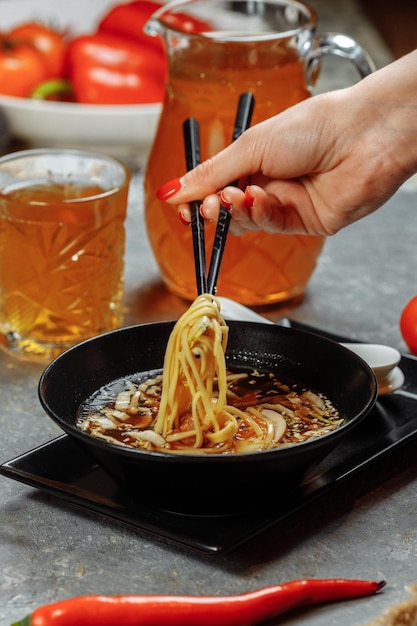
pixel 339 45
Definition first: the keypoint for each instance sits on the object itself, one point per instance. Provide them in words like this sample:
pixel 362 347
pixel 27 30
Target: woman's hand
pixel 318 166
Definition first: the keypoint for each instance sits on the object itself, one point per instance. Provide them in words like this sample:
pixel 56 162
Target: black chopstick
pixel 192 157
pixel 191 131
pixel 242 122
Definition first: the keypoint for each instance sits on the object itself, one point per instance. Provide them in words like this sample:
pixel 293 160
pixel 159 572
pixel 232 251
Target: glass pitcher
pixel 216 50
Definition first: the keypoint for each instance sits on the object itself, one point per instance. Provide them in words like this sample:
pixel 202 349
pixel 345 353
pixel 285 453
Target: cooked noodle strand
pixel 194 360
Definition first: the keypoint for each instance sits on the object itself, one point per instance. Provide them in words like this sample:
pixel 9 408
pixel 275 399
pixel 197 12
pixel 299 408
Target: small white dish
pixel 393 382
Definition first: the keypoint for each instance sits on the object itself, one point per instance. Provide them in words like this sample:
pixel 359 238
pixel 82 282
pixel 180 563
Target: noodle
pixel 197 405
pixel 194 360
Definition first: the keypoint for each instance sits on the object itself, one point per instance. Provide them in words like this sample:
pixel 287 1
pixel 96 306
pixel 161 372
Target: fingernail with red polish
pixel 227 205
pixel 169 189
pixel 249 199
pixel 203 215
pixel 183 219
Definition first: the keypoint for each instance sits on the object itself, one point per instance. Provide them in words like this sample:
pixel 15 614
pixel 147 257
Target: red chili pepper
pixel 239 610
pixel 106 69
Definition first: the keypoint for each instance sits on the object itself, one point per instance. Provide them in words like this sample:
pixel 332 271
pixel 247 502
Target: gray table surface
pixel 50 549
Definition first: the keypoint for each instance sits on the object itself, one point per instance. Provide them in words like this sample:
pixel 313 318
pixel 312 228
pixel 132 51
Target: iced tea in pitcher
pixel 258 47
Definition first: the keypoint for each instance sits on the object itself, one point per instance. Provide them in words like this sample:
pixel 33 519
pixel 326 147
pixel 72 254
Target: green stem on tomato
pixel 55 87
pixel 26 621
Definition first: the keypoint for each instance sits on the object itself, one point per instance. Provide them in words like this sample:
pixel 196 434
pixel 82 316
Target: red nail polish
pixel 227 205
pixel 249 199
pixel 207 219
pixel 183 219
pixel 169 189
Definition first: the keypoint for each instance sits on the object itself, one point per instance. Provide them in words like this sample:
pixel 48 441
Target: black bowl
pixel 209 484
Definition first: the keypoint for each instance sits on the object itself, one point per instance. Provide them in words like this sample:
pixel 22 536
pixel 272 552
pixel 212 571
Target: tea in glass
pixel 62 245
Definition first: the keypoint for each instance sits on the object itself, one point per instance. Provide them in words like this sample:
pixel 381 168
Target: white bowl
pixel 126 131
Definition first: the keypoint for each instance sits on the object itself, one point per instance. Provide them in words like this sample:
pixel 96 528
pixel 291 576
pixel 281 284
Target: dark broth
pixel 124 411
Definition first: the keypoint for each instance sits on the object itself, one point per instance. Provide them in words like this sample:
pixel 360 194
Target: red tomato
pixel 106 69
pixel 408 324
pixel 101 85
pixel 21 70
pixel 49 43
pixel 129 19
pixel 186 23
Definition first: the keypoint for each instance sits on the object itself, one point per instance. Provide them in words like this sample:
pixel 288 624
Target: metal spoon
pixel 382 359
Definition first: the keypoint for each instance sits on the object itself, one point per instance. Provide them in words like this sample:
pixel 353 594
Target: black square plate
pixel 60 468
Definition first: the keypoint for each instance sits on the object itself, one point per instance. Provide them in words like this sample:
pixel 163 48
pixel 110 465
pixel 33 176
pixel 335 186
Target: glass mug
pixel 62 244
pixel 268 48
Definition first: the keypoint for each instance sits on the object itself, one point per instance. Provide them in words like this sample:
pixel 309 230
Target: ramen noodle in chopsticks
pixel 197 404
